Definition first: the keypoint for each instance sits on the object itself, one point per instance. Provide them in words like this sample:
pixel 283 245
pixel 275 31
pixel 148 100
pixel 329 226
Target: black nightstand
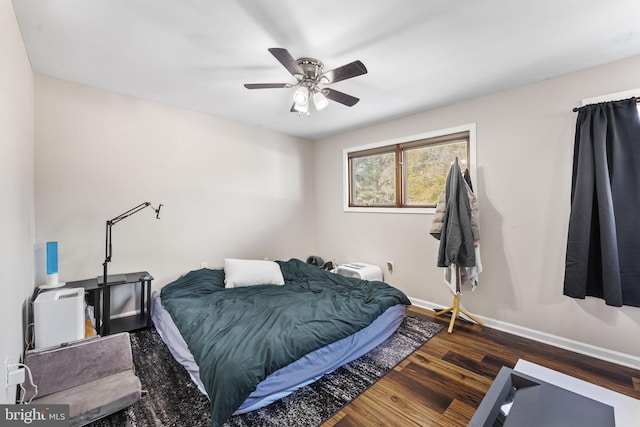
pixel 129 323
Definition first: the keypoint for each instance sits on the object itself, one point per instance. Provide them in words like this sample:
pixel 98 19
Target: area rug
pixel 171 399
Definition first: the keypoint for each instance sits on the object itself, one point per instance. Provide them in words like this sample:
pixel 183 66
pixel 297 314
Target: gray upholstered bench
pixel 95 377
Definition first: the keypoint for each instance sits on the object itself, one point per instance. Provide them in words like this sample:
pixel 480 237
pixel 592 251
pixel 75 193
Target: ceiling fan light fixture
pixel 301 97
pixel 320 101
pixel 301 108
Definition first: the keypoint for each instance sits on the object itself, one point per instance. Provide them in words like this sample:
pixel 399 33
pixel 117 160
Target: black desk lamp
pixel 108 251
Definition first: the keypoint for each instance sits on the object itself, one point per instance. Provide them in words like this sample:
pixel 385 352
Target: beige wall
pixel 524 154
pixel 229 190
pixel 16 190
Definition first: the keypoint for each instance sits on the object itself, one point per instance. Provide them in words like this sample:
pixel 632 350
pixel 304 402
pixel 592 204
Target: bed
pixel 248 346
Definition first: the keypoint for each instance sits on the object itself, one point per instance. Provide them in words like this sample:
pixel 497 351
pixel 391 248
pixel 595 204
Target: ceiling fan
pixel 310 75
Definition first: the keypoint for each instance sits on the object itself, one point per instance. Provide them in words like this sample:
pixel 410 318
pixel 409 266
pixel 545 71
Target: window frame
pixel 396 145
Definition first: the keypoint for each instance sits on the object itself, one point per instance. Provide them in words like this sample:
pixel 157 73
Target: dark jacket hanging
pixel 603 245
pixel 456 241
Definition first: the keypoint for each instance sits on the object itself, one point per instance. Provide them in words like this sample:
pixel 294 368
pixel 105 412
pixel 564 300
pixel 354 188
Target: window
pixel 406 174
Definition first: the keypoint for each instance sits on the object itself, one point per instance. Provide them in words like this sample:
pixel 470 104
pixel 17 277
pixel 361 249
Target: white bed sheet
pixel 295 375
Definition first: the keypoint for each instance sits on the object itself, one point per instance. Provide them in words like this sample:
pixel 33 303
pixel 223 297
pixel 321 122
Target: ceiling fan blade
pixel 353 69
pixel 267 85
pixel 287 60
pixel 340 97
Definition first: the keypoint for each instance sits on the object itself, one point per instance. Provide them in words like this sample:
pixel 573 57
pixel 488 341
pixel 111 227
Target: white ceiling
pixel 421 54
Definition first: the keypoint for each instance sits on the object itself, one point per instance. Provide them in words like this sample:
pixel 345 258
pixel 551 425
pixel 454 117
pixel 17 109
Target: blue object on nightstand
pixel 52 257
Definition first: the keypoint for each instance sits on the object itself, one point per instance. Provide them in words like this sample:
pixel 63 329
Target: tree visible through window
pixel 411 174
pixel 374 180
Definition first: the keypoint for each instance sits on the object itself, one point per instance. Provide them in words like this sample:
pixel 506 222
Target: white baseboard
pixel 554 340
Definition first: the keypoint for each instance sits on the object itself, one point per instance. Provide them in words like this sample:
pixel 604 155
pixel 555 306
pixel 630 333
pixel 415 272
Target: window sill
pixel 392 210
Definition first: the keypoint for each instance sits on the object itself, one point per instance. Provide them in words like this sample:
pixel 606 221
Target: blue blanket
pixel 239 336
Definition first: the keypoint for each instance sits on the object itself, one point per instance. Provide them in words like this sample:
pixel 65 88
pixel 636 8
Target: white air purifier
pixel 360 270
pixel 58 317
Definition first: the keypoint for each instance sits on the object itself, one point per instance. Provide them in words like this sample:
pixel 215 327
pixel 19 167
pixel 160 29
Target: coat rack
pixel 455 311
pixel 458 202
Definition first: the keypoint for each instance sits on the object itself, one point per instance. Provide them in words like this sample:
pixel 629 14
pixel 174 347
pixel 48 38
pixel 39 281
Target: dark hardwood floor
pixel 443 382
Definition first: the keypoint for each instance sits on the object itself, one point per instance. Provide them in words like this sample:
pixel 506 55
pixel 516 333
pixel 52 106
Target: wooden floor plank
pixel 452 370
pixel 443 382
pixel 458 413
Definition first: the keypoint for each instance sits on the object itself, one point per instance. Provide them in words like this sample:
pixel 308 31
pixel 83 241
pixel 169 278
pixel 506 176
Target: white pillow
pixel 247 272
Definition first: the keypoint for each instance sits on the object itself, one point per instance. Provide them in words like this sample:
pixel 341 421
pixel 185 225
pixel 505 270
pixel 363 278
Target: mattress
pixel 295 375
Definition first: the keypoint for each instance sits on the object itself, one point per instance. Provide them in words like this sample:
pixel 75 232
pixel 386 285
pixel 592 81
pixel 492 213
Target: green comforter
pixel 239 336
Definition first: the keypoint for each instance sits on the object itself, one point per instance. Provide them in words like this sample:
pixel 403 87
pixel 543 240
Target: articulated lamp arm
pixel 108 252
pixel 111 222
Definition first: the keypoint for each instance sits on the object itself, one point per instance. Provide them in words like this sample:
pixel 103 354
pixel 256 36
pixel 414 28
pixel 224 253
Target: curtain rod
pixel 576 109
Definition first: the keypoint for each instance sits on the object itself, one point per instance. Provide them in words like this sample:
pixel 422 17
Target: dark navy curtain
pixel 603 246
